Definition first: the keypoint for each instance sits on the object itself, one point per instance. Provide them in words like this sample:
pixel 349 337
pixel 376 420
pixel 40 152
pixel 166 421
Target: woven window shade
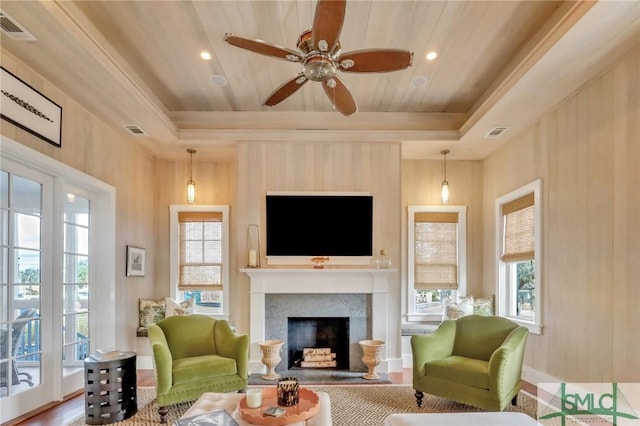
pixel 200 251
pixel 436 251
pixel 519 229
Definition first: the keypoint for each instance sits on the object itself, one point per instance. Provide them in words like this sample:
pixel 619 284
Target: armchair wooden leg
pixel 514 400
pixel 419 396
pixel 163 411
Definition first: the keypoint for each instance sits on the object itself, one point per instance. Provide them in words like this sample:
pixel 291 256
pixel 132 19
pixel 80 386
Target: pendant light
pixel 191 185
pixel 444 193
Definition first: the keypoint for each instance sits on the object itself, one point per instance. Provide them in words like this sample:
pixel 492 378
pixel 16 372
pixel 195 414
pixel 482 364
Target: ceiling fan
pixel 319 52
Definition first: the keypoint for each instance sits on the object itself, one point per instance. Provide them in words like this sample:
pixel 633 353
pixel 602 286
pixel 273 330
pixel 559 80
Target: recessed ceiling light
pixel 205 55
pixel 219 80
pixel 431 56
pixel 418 81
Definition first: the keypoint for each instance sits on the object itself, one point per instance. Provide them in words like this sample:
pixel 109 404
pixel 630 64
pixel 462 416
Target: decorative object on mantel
pixel 444 193
pixel 382 261
pixel 371 357
pixel 253 246
pixel 30 110
pixel 318 261
pixel 271 357
pixel 191 184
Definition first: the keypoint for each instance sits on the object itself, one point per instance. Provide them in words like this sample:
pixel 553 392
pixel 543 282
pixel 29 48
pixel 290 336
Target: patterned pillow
pixel 483 306
pixel 183 308
pixel 150 311
pixel 453 310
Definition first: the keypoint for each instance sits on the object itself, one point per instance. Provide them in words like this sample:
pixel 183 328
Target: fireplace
pixel 354 308
pixel 361 294
pixel 325 338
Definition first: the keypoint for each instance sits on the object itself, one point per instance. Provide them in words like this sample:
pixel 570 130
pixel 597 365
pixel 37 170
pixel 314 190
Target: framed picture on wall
pixel 30 110
pixel 135 261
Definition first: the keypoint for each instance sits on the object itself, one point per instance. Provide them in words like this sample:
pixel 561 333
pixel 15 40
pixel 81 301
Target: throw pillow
pixel 455 310
pixel 483 306
pixel 150 311
pixel 179 308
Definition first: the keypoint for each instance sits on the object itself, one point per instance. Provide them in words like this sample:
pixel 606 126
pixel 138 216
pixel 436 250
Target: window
pixel 199 257
pixel 518 231
pixel 437 259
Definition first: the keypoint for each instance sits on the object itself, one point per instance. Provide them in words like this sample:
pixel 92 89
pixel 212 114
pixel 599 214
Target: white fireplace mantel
pixel 315 281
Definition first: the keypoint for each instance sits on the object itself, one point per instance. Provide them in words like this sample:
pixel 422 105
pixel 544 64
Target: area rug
pixel 354 405
pixel 317 377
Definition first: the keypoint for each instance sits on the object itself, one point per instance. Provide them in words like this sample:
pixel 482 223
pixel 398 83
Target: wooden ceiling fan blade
pixel 286 90
pixel 264 48
pixel 375 60
pixel 340 96
pixel 327 23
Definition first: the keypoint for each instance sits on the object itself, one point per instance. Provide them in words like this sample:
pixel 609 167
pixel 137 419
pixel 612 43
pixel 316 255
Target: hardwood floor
pixel 73 407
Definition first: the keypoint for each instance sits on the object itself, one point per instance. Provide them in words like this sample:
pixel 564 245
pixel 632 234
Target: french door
pixel 49 227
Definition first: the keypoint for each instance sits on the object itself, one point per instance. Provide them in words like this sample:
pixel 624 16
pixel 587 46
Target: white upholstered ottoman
pixel 461 419
pixel 211 401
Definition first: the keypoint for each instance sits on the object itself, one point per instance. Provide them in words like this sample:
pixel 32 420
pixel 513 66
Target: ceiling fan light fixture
pixel 323 45
pixel 319 67
pixel 331 83
pixel 292 58
pixel 347 63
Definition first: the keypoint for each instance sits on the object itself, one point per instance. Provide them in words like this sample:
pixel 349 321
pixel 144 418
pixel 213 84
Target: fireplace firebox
pixel 330 333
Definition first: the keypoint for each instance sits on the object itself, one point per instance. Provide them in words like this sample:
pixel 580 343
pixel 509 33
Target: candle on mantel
pixel 253 258
pixel 254 398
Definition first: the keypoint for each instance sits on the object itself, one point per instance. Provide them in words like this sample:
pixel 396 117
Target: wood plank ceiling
pixel 137 62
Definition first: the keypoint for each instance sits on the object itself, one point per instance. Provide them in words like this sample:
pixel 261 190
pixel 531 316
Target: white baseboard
pixel 534 376
pixel 144 362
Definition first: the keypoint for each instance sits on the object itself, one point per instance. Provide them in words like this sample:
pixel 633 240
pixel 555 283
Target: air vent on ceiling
pixel 135 130
pixel 13 29
pixel 496 132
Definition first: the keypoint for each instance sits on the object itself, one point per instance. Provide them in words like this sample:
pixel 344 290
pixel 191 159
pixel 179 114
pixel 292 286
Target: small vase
pixel 271 357
pixel 371 357
pixel 382 261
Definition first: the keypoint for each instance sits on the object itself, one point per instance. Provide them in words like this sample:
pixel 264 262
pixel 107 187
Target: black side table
pixel 110 389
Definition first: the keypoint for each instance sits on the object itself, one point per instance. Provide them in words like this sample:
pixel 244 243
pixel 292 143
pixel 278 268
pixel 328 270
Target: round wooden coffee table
pixel 306 408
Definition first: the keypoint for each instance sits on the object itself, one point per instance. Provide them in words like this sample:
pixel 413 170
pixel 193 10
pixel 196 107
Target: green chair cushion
pixel 468 371
pixel 202 367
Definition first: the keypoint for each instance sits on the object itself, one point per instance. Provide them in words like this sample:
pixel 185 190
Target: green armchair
pixel 194 354
pixel 476 360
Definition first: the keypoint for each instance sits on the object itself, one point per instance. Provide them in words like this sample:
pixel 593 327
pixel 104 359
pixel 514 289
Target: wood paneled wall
pixel 587 153
pixel 366 167
pixel 92 146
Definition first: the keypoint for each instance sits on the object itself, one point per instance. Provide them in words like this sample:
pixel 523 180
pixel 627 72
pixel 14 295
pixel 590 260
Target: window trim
pixel 174 256
pixel 412 315
pixel 534 187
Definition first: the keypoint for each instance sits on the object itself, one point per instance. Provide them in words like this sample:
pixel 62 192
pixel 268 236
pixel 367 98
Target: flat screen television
pixel 330 224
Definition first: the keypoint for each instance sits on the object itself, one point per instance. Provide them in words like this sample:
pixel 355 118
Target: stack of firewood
pixel 318 358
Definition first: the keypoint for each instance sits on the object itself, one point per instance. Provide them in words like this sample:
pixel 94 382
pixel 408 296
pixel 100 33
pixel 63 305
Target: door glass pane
pixel 27 231
pixel 4 189
pixel 25 196
pixel 76 285
pixel 20 338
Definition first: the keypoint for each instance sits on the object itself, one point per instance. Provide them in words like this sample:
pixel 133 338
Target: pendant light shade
pixel 191 185
pixel 444 192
